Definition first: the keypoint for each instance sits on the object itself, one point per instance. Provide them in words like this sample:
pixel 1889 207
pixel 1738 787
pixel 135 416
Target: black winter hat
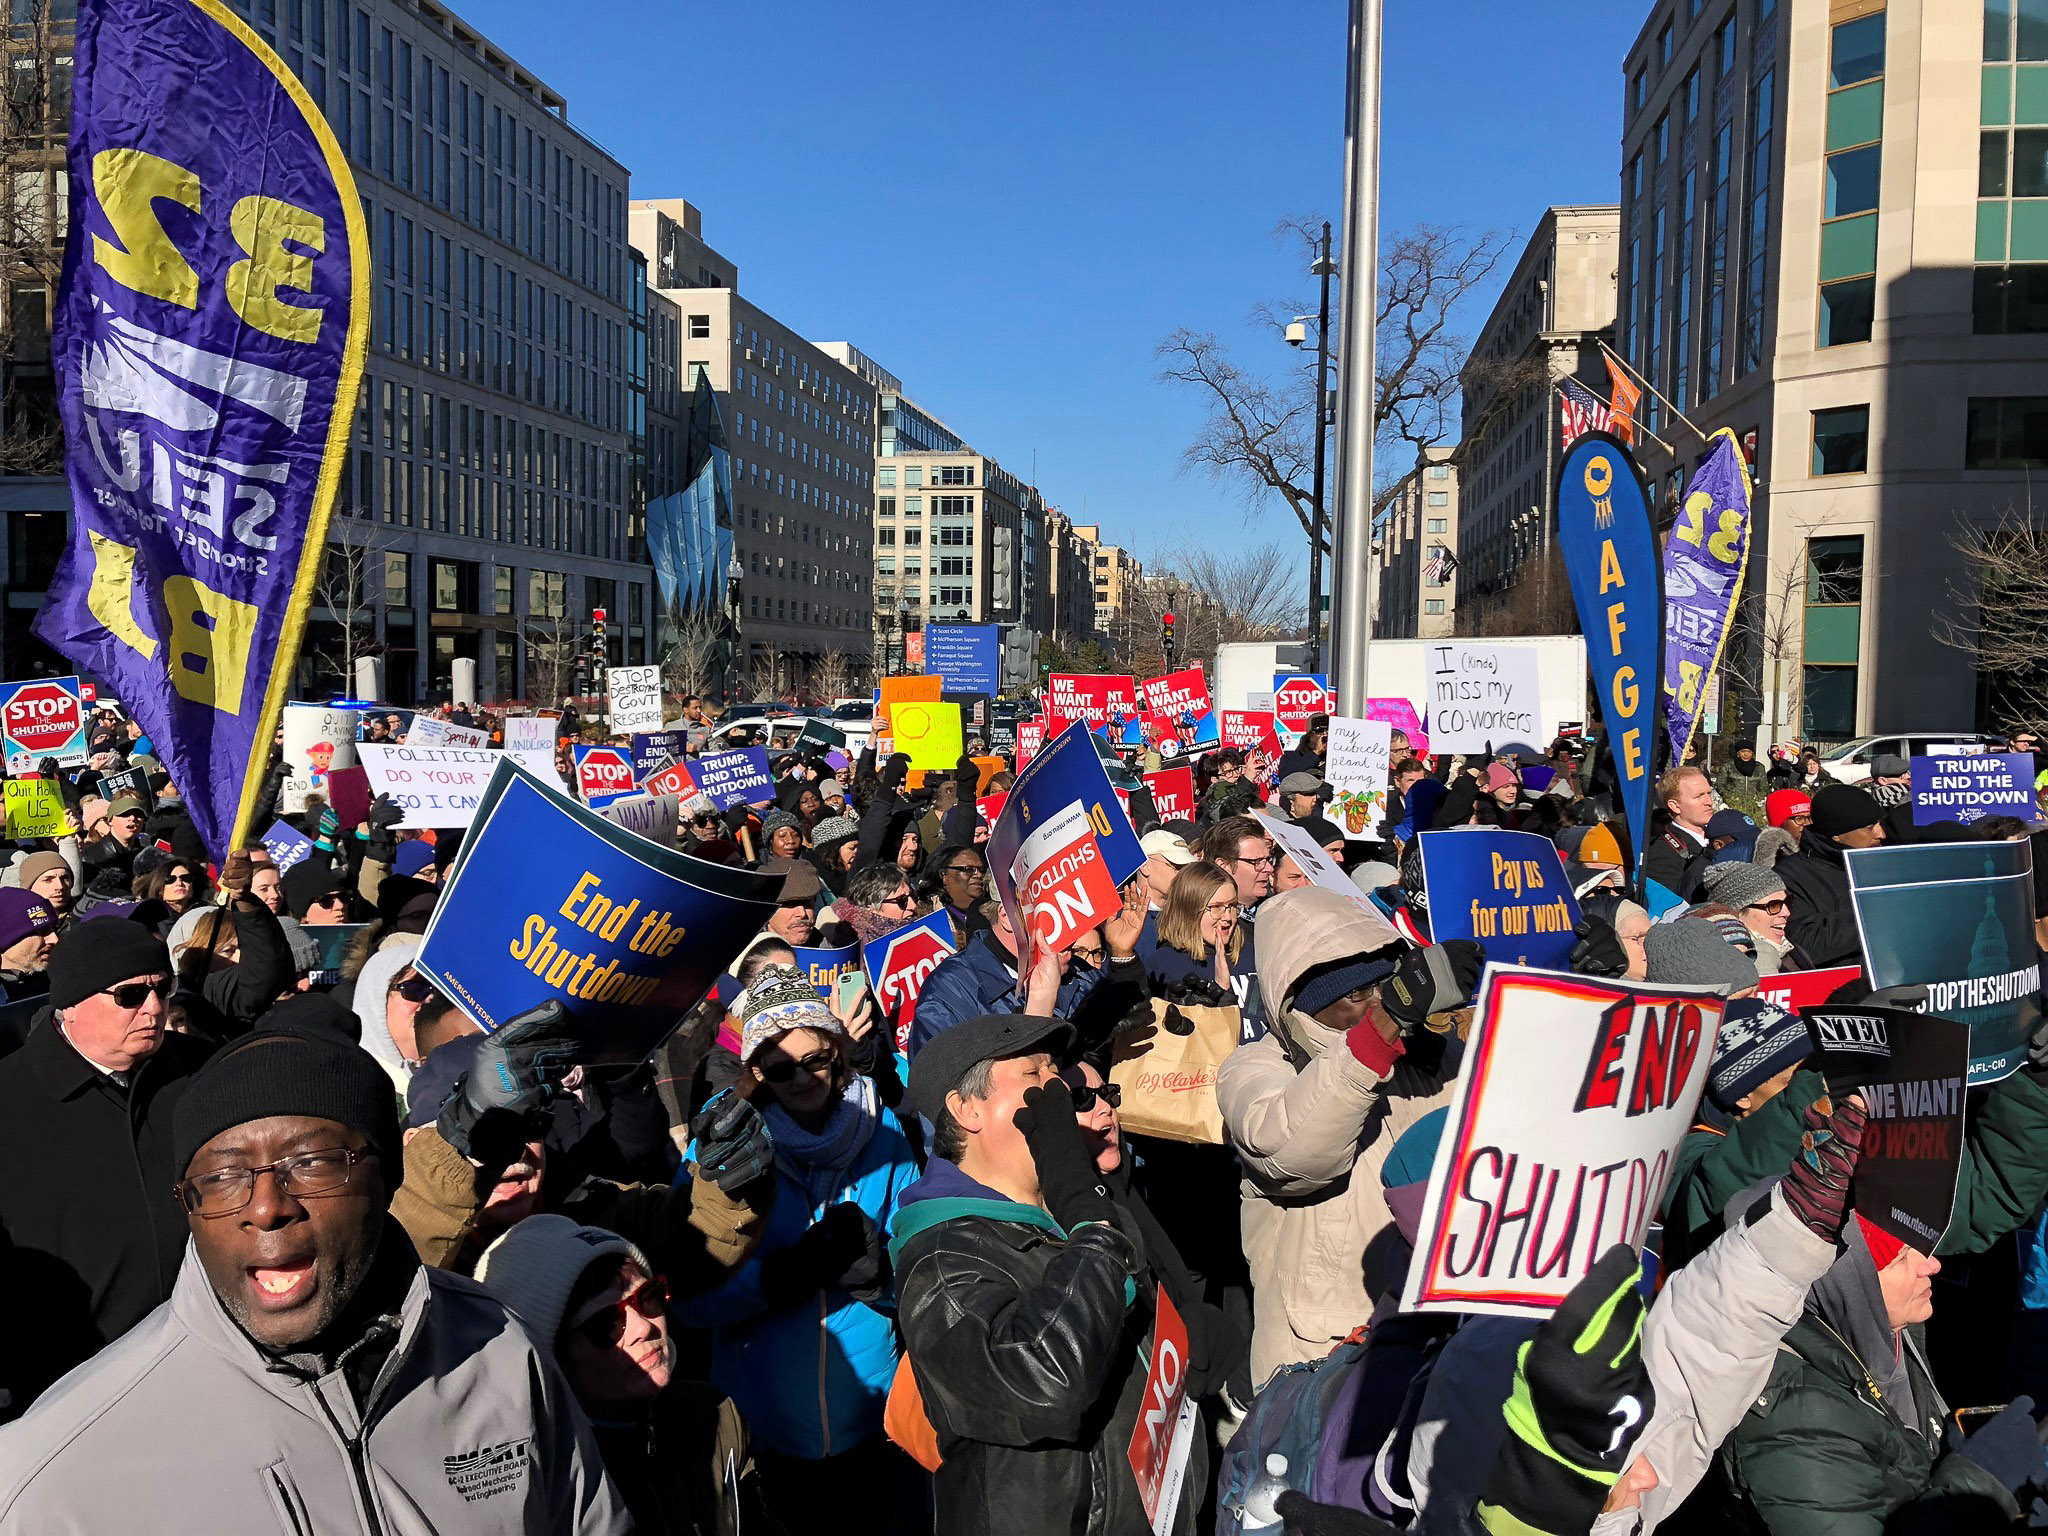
pixel 290 1071
pixel 1839 808
pixel 103 952
pixel 306 883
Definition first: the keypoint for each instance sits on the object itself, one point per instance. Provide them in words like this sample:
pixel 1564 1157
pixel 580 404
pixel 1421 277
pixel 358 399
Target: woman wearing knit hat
pixel 834 842
pixel 1757 895
pixel 799 1335
pixel 782 836
pixel 676 1449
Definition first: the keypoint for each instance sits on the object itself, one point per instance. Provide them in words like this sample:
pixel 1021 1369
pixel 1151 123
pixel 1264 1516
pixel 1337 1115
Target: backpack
pixel 1285 1419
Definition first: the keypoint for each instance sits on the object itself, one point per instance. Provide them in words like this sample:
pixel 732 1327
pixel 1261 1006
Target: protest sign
pixel 1162 1440
pixel 1800 990
pixel 1063 847
pixel 824 966
pixel 1030 740
pixel 1483 695
pixel 331 944
pixel 816 736
pixel 317 740
pixel 603 774
pixel 728 779
pixel 1574 1097
pixel 635 699
pixel 1704 560
pixel 1173 793
pixel 1357 770
pixel 1913 1087
pixel 1250 729
pixel 1957 919
pixel 435 786
pixel 129 781
pixel 1003 715
pixel 929 733
pixel 1102 700
pixel 348 791
pixel 897 964
pixel 1505 889
pixel 287 845
pixel 891 691
pixel 531 733
pixel 1310 856
pixel 430 731
pixel 968 656
pixel 652 750
pixel 1967 789
pixel 671 779
pixel 35 808
pixel 44 717
pixel 549 900
pixel 1400 715
pixel 656 817
pixel 1179 713
pixel 990 807
pixel 1297 698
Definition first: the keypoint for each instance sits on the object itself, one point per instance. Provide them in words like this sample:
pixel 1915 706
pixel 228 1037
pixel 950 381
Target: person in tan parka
pixel 1315 1106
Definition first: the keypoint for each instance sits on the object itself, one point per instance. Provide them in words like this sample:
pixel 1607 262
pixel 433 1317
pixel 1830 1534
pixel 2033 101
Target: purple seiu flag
pixel 1704 559
pixel 209 340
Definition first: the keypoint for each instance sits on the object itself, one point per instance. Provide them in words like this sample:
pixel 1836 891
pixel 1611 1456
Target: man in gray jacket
pixel 308 1374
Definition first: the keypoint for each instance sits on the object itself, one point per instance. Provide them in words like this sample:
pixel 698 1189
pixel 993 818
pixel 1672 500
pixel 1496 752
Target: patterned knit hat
pixel 780 1000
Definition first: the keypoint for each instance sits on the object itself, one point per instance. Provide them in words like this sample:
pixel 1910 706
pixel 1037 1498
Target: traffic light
pixel 1166 636
pixel 600 655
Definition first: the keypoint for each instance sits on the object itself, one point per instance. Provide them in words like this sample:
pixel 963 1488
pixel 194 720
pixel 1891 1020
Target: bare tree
pixel 551 648
pixel 697 650
pixel 764 674
pixel 1998 612
pixel 1538 601
pixel 1260 433
pixel 833 677
pixel 34 208
pixel 349 574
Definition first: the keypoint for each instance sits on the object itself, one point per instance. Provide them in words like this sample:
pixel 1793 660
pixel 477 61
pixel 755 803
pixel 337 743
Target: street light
pixel 902 636
pixel 1297 335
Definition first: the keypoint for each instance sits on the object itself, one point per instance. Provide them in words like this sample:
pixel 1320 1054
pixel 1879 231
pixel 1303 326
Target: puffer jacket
pixel 810 1379
pixel 184 1426
pixel 1823 921
pixel 1029 1346
pixel 1312 1125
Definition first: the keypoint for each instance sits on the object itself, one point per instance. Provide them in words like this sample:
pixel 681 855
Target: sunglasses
pixel 1774 906
pixel 901 899
pixel 133 994
pixel 784 1070
pixel 1085 1097
pixel 606 1328
pixel 415 989
pixel 968 871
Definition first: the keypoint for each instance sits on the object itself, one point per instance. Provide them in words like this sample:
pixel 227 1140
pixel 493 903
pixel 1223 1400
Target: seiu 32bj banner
pixel 208 343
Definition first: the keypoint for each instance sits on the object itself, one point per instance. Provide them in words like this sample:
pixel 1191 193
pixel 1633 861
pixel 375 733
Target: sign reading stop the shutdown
pixel 604 774
pixel 42 718
pixel 898 964
pixel 1298 698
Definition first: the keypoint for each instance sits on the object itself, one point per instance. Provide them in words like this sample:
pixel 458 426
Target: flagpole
pixel 1651 390
pixel 1557 389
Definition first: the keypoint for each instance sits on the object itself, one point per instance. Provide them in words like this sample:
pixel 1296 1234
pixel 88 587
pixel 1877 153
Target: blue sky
pixel 1008 204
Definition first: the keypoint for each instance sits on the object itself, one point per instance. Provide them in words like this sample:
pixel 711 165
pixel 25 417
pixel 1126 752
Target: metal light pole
pixel 1351 543
pixel 1319 517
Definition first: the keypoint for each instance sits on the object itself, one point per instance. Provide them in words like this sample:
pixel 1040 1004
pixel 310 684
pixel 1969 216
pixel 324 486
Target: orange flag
pixel 1627 396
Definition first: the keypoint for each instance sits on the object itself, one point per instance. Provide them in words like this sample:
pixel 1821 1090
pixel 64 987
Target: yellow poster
pixel 929 733
pixel 34 809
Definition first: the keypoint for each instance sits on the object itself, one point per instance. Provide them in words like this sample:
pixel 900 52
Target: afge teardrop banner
pixel 1703 564
pixel 1603 529
pixel 208 342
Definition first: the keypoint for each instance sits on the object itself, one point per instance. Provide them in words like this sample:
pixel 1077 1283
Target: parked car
pixel 1850 762
pixel 780 734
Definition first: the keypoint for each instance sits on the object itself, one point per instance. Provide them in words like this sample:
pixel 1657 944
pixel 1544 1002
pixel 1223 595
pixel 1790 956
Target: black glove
pixel 1599 950
pixel 968 777
pixel 732 1142
pixel 48 768
pixel 2007 1445
pixel 1303 1516
pixel 735 817
pixel 842 1251
pixel 1433 980
pixel 1581 1399
pixel 511 1081
pixel 1073 1188
pixel 894 770
pixel 382 842
pixel 279 772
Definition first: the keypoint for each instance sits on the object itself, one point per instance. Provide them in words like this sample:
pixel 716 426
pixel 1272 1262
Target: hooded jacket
pixel 373 984
pixel 184 1425
pixel 1312 1137
pixel 1823 922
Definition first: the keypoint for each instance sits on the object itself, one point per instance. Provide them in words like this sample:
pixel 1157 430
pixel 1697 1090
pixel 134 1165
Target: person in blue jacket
pixel 803 1340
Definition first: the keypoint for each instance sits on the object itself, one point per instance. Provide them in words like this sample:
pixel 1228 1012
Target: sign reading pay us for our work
pixel 1574 1098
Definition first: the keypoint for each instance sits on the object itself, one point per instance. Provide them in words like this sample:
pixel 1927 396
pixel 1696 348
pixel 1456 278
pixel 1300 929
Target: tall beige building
pixel 1117 573
pixel 801 426
pixel 949 538
pixel 1547 326
pixel 1415 553
pixel 1836 229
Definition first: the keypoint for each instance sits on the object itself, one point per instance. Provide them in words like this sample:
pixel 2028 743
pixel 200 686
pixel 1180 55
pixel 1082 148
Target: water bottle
pixel 1261 1513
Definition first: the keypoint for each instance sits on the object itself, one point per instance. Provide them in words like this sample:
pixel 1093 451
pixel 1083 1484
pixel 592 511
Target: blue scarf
pixel 818 1159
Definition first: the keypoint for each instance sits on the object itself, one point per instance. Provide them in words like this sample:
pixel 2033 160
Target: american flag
pixel 1441 563
pixel 1580 411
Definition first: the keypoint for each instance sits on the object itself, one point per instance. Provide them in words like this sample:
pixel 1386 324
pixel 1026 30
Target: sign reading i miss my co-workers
pixel 41 718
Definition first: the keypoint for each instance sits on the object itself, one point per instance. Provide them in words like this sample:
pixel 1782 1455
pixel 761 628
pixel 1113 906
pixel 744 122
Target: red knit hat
pixel 1782 803
pixel 1882 1245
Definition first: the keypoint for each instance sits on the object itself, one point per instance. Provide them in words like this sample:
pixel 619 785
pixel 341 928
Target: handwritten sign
pixel 1357 773
pixel 636 698
pixel 435 786
pixel 1483 696
pixel 35 808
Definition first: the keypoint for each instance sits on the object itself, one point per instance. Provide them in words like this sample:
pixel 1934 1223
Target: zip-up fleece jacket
pixel 183 1428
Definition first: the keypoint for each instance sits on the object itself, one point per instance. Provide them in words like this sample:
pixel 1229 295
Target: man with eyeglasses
pixel 85 1115
pixel 1241 846
pixel 385 1394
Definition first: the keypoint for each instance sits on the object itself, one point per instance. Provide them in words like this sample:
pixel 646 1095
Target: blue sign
pixel 287 845
pixel 1967 789
pixel 1067 774
pixel 735 778
pixel 549 900
pixel 823 966
pixel 1505 889
pixel 654 750
pixel 1610 554
pixel 968 656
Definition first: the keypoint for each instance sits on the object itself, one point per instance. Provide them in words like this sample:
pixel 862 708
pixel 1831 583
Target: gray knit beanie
pixel 1691 952
pixel 1743 885
pixel 534 1268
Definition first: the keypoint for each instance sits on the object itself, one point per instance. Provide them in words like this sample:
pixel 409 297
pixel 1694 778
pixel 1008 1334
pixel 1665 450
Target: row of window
pixel 2002 432
pixel 913 476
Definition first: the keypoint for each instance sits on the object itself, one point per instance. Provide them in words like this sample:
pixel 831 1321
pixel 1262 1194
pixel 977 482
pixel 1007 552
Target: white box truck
pixel 1400 669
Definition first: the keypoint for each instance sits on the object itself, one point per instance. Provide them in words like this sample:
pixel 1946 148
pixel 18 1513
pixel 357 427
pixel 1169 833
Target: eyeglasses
pixel 177 880
pixel 415 989
pixel 1221 908
pixel 783 1069
pixel 1774 906
pixel 901 899
pixel 968 871
pixel 226 1190
pixel 133 994
pixel 606 1328
pixel 1085 1097
pixel 1092 953
pixel 1271 860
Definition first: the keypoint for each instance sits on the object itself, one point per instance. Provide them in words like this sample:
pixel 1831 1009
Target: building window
pixel 1852 181
pixel 1438 525
pixel 1846 309
pixel 2008 433
pixel 2010 300
pixel 885 506
pixel 397 580
pixel 1724 48
pixel 1841 441
pixel 1856 51
pixel 1439 471
pixel 1439 498
pixel 1831 642
pixel 700 327
pixel 955 474
pixel 455 586
pixel 886 479
pixel 1432 605
pixel 913 474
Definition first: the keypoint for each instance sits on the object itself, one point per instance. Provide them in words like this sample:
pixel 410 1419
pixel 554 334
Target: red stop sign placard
pixel 602 771
pixel 41 718
pixel 912 956
pixel 1297 699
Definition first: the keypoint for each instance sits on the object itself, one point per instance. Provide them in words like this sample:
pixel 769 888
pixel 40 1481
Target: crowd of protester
pixel 290 1244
